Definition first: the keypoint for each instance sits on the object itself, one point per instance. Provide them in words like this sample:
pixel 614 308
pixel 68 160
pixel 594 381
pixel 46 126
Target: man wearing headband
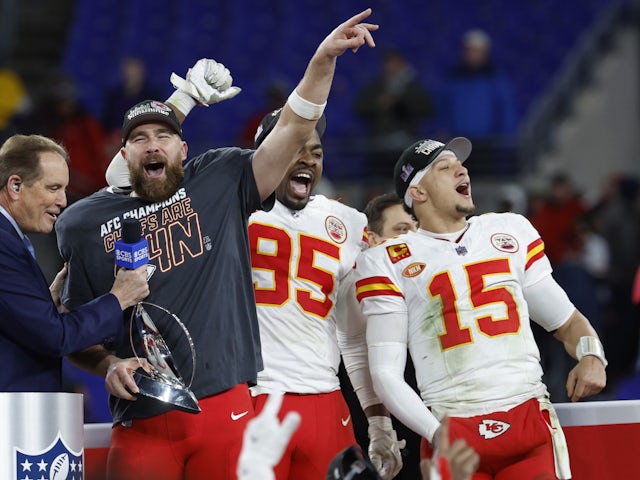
pixel 459 293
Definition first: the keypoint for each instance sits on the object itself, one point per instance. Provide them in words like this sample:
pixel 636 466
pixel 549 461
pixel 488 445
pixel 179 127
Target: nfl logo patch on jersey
pixel 398 252
pixel 504 242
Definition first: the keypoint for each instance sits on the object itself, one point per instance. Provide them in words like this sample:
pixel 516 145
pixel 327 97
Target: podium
pixel 42 435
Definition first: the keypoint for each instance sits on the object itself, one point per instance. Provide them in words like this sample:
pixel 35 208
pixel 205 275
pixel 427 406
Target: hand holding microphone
pixel 132 255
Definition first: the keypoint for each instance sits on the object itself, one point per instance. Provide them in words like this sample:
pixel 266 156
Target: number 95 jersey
pixel 298 259
pixel 468 322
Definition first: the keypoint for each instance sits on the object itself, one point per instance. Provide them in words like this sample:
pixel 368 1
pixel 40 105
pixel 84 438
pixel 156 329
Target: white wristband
pixel 380 421
pixel 591 346
pixel 304 108
pixel 182 101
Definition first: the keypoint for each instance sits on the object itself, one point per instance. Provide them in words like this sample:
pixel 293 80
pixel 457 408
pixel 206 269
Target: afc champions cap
pixel 269 121
pixel 419 157
pixel 149 111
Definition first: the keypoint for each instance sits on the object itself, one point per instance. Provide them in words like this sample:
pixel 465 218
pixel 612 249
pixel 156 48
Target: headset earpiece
pixel 16 187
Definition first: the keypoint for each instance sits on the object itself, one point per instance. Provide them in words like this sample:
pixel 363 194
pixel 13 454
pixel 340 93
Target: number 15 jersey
pixel 469 333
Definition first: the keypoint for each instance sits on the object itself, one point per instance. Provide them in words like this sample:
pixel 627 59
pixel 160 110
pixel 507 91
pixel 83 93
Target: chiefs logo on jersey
pixel 414 270
pixel 504 242
pixel 398 252
pixel 335 229
pixel 492 428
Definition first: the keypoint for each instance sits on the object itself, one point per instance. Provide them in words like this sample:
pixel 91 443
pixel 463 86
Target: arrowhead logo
pixel 492 428
pixel 235 416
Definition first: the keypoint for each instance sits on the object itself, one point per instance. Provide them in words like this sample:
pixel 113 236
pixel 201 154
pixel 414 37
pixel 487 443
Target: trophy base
pixel 181 398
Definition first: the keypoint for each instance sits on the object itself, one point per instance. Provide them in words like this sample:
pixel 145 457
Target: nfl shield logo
pixel 57 462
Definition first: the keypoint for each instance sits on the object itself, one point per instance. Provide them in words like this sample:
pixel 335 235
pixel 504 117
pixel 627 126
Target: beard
pixel 155 190
pixel 466 210
pixel 292 203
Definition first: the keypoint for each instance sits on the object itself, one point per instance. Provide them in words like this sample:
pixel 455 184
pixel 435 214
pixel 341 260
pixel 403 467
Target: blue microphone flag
pixel 132 251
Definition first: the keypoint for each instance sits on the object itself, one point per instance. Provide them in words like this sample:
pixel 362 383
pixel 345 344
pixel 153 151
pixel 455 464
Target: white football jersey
pixel 469 333
pixel 299 258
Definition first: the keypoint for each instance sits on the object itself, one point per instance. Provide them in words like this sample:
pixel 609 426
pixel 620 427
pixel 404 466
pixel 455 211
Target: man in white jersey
pixel 301 252
pixel 459 293
pixel 387 218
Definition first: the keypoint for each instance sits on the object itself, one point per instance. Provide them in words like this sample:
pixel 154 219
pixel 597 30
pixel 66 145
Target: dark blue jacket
pixel 33 335
pixel 478 104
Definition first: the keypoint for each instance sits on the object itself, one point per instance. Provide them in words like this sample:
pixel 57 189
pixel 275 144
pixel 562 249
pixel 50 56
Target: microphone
pixel 132 251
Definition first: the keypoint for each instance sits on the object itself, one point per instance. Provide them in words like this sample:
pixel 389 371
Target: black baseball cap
pixel 351 464
pixel 149 111
pixel 420 155
pixel 269 121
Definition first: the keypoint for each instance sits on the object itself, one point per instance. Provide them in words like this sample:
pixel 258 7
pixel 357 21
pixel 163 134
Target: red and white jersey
pixel 469 333
pixel 299 258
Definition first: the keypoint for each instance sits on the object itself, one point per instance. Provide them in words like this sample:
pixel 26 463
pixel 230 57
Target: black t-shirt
pixel 200 270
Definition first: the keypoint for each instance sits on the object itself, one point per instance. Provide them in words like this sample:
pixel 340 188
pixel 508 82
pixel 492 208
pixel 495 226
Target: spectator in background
pixel 132 88
pixel 60 116
pixel 275 95
pixel 392 106
pixel 556 218
pixel 619 215
pixel 14 101
pixel 478 102
pixel 560 220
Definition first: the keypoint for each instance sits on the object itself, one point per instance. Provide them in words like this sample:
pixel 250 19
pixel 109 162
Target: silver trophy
pixel 163 382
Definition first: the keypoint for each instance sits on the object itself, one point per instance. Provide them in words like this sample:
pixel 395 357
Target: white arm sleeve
pixel 351 332
pixel 387 344
pixel 549 305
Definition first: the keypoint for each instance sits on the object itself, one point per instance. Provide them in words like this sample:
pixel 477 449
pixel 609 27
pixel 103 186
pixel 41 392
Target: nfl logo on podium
pixel 57 462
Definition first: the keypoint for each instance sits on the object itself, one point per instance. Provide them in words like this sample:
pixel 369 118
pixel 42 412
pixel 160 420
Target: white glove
pixel 207 81
pixel 117 174
pixel 384 447
pixel 265 440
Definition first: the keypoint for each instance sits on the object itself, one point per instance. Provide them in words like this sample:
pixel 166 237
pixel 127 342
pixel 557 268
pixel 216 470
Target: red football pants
pixel 183 446
pixel 513 445
pixel 325 430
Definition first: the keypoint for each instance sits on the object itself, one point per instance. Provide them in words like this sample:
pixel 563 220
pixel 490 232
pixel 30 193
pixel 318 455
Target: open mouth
pixel 300 184
pixel 154 169
pixel 464 189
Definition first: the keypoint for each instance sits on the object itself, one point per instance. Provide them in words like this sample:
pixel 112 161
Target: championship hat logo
pixel 57 462
pixel 428 146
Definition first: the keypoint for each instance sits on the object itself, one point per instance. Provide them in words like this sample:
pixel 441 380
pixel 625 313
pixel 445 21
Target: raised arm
pixel 306 103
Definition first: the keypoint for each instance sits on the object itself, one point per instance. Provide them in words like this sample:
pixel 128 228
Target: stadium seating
pixel 263 40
